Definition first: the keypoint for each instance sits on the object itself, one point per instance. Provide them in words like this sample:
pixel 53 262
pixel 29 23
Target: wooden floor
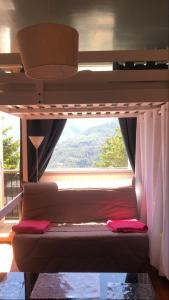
pixel 160 284
pixel 6 233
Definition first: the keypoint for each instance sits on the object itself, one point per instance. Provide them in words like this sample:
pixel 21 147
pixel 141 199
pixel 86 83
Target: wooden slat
pixel 72 111
pixel 82 109
pixel 87 115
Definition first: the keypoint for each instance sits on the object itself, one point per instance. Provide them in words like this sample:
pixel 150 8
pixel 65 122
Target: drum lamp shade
pixel 49 51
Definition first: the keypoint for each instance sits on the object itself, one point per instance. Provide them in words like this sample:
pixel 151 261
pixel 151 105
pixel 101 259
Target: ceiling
pixel 102 24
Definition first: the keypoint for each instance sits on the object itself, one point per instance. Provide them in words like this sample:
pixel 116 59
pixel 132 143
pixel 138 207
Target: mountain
pixel 80 149
pixel 70 131
pixel 74 127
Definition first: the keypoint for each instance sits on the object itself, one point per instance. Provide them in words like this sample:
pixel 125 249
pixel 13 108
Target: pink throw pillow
pixel 126 225
pixel 31 226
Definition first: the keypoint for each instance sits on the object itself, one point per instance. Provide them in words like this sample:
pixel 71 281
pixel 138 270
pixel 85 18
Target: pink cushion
pixel 31 226
pixel 128 225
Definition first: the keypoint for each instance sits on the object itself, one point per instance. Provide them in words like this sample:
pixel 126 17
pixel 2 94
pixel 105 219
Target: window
pixel 90 153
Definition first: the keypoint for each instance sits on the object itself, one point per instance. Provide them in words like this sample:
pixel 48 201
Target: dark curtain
pixel 128 129
pixel 128 125
pixel 51 130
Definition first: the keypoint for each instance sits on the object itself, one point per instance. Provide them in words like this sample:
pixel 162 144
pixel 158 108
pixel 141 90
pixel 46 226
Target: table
pixel 12 286
pixel 91 286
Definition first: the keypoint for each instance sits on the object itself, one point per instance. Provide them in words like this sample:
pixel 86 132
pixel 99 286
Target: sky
pixel 8 120
pixel 89 122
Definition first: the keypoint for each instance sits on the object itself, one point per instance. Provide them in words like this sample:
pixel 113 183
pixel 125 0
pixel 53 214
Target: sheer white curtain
pixel 152 182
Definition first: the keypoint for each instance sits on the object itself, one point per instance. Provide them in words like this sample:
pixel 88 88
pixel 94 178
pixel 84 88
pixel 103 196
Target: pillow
pixel 31 226
pixel 126 225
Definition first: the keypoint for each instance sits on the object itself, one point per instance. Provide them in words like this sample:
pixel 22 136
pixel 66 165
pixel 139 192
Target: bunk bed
pixel 116 93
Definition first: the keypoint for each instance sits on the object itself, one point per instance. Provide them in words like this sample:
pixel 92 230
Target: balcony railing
pixel 11 190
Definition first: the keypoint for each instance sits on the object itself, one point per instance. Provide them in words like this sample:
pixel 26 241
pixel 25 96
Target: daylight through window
pixel 92 152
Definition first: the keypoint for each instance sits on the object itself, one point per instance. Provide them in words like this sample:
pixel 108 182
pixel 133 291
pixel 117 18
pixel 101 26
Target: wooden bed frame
pixel 88 94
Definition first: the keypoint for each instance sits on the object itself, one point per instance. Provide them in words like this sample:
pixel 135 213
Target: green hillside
pixel 81 149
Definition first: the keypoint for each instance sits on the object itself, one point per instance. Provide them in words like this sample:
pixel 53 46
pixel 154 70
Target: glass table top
pixel 117 286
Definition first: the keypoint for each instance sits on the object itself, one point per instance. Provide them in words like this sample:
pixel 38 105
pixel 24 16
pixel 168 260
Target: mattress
pixel 81 248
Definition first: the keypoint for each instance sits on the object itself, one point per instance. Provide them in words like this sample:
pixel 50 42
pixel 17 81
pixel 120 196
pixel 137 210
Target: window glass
pixel 90 143
pixel 90 154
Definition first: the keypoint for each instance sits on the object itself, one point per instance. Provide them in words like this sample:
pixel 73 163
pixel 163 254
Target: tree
pixel 113 152
pixel 10 150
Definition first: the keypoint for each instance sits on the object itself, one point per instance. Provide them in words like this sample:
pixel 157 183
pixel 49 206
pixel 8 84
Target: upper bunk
pixel 140 83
